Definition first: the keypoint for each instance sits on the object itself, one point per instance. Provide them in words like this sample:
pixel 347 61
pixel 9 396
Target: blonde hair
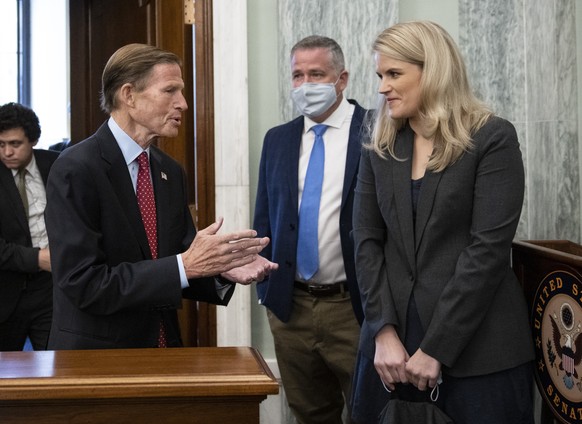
pixel 448 108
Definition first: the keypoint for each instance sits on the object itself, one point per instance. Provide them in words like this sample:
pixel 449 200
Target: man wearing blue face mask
pixel 304 204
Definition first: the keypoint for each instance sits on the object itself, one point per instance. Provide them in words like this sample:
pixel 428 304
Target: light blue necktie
pixel 307 243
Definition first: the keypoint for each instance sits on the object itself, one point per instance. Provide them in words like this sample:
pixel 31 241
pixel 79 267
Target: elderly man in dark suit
pixel 313 299
pixel 124 246
pixel 25 278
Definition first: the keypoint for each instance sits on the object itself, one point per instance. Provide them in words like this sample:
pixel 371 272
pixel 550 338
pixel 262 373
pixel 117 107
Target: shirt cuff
pixel 222 284
pixel 183 279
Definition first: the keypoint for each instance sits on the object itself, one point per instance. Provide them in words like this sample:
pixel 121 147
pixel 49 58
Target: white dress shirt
pixel 331 264
pixel 131 150
pixel 36 194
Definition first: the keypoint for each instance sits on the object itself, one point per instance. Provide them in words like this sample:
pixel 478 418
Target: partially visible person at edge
pixel 61 145
pixel 313 315
pixel 26 301
pixel 437 204
pixel 120 265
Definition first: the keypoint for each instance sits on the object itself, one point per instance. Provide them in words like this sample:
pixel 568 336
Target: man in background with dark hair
pixel 25 277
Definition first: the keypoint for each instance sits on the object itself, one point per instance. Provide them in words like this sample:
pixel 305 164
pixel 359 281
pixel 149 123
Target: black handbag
pixel 399 411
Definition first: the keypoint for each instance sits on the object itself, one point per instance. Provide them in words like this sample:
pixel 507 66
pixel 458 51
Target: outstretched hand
pixel 257 271
pixel 212 254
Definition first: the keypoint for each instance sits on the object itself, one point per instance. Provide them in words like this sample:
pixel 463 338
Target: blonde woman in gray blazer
pixel 437 204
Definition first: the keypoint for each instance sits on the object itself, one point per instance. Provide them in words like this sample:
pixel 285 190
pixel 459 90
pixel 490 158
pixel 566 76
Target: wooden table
pixel 186 385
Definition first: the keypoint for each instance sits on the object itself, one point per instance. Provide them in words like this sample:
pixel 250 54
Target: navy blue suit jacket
pixel 276 211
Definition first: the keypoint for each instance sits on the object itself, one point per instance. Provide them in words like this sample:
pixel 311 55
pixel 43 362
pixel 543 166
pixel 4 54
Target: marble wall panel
pixel 541 60
pixel 567 88
pixel 521 58
pixel 233 323
pixel 354 24
pixel 551 100
pixel 231 151
pixel 542 178
pixel 554 177
pixel 230 94
pixel 492 43
pixel 567 162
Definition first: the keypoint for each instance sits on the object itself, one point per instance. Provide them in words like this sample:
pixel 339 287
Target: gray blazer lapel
pixel 353 153
pixel 402 174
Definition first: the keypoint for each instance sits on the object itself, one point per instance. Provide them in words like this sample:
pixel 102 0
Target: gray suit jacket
pixel 456 259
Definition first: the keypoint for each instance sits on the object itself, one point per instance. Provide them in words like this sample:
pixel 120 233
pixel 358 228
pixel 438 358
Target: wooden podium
pixel 186 385
pixel 550 272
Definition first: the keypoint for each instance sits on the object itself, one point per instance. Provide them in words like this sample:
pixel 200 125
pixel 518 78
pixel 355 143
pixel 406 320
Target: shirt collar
pixel 129 148
pixel 336 119
pixel 31 167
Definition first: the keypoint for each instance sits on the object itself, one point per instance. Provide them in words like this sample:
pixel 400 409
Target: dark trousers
pixel 504 397
pixel 368 396
pixel 31 318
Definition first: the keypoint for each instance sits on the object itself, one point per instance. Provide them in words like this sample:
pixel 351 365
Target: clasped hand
pixel 394 365
pixel 235 256
pixel 44 259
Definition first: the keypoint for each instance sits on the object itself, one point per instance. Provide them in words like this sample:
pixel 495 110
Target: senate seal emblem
pixel 557 328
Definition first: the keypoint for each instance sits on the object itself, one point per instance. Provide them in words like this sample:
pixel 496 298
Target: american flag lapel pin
pixel 164 176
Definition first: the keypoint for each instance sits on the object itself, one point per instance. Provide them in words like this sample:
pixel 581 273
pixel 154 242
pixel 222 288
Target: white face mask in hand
pixel 314 99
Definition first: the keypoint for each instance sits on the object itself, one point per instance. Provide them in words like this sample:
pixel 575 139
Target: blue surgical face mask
pixel 314 99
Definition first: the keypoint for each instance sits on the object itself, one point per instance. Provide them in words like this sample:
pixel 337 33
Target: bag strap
pixel 434 394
